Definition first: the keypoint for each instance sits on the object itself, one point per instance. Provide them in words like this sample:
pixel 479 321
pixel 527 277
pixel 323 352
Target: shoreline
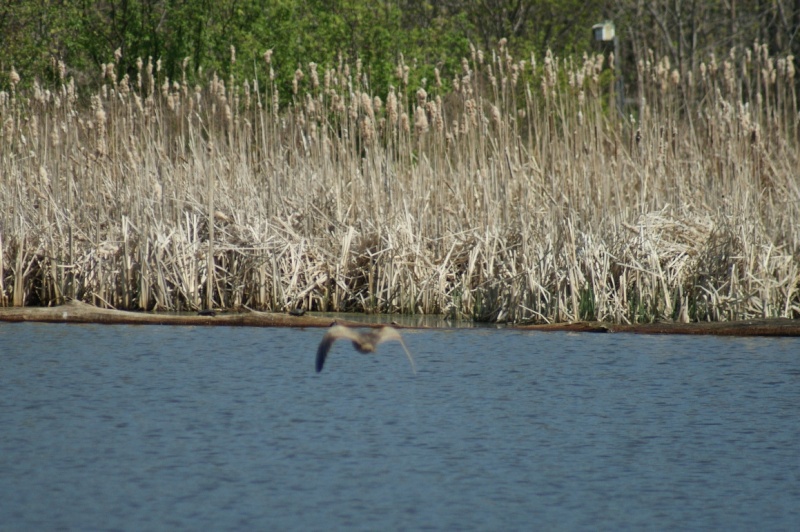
pixel 79 312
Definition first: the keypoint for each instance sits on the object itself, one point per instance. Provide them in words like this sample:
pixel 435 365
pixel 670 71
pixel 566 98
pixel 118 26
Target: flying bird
pixel 365 342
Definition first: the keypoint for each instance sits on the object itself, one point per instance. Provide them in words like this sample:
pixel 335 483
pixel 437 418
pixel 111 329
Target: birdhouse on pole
pixel 604 31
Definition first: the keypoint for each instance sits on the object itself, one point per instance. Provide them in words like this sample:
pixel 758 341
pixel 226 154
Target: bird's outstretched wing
pixel 333 334
pixel 390 333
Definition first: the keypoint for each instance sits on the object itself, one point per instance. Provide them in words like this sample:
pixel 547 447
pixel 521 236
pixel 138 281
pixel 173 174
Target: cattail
pixel 437 77
pixel 421 96
pixel 139 65
pixel 328 79
pixel 432 112
pixel 312 67
pixel 367 128
pixel 38 95
pixel 13 77
pixel 391 106
pixel 298 77
pixel 549 70
pixel 353 108
pixel 151 79
pixel 366 105
pixel 311 106
pixel 420 120
pixel 55 137
pixel 729 76
pixel 233 55
pixel 117 54
pixel 438 118
pixel 34 129
pixel 337 104
pixel 495 114
pixel 100 119
pixel 472 111
pixel 124 85
pixel 404 123
pixel 8 128
pixel 43 176
pixel 466 85
pixel 268 56
pixel 62 70
pixel 660 73
pixel 398 71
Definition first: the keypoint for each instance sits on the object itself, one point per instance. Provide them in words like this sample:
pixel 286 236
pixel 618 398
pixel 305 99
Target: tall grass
pixel 519 193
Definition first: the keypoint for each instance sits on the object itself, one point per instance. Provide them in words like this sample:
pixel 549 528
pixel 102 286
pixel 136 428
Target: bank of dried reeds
pixel 520 194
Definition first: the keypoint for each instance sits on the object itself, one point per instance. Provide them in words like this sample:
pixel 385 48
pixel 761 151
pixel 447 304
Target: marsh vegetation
pixel 514 190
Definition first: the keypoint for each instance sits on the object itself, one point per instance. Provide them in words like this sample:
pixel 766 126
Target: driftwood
pixel 78 312
pixel 756 327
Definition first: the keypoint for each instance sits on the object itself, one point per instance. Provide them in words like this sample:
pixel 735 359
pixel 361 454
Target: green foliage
pixel 85 34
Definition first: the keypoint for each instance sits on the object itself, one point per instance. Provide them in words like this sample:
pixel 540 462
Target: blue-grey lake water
pixel 106 427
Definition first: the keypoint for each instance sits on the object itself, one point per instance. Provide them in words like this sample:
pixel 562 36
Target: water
pixel 144 427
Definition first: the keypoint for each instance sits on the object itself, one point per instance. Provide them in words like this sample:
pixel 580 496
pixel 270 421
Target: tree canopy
pixel 83 34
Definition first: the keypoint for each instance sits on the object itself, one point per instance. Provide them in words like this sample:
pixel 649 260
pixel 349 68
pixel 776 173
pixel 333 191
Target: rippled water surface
pixel 146 427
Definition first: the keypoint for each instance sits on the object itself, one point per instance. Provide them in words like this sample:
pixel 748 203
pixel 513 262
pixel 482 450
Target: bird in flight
pixel 365 342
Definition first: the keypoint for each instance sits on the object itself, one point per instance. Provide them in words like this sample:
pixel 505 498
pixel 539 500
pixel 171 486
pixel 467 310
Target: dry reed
pixel 519 194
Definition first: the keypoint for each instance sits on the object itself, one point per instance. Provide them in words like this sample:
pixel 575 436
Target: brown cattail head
pixel 13 77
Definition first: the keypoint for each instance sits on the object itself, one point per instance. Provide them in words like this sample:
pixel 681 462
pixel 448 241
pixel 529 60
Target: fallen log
pixel 79 312
pixel 755 327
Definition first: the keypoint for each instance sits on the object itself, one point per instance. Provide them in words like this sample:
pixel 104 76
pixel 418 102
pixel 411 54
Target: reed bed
pixel 512 191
